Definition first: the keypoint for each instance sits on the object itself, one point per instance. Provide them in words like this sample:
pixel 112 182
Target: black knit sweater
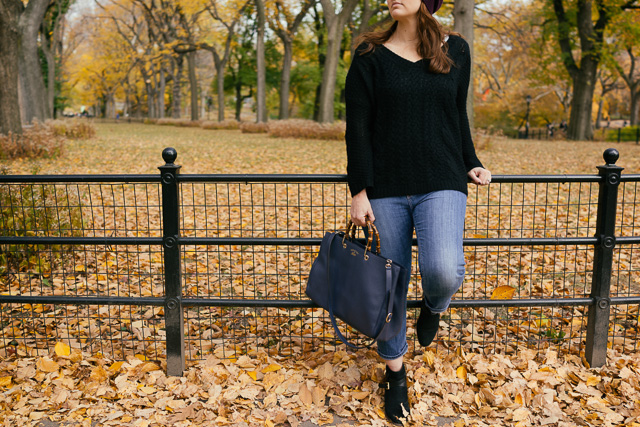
pixel 407 128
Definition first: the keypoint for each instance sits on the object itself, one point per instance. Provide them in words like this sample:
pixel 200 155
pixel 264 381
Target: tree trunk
pixel 162 87
pixel 52 46
pixel 335 28
pixel 177 78
pixel 463 13
pixel 239 99
pixel 635 108
pixel 203 103
pixel 632 82
pixel 34 99
pixel 287 35
pixel 151 105
pixel 584 83
pixel 599 116
pixel 321 60
pixel 584 77
pixel 110 110
pixel 9 40
pixel 261 92
pixel 193 85
pixel 51 74
pixel 285 79
pixel 220 81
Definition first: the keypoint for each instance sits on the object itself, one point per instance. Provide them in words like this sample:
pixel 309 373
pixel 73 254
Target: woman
pixel 410 155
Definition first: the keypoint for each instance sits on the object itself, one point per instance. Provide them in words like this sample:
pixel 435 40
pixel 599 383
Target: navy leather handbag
pixel 359 286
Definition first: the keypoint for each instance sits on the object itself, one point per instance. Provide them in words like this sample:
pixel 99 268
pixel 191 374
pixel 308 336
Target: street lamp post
pixel 526 122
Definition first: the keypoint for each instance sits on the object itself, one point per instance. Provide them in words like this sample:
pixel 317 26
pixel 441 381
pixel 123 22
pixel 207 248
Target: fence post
pixel 598 319
pixel 173 313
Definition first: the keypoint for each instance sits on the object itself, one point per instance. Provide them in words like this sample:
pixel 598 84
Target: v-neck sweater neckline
pixel 405 60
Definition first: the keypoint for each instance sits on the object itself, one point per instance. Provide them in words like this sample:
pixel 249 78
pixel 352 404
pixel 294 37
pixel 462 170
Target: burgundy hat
pixel 432 5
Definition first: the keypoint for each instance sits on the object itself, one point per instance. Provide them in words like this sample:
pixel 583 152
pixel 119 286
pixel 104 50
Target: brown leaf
pixel 305 395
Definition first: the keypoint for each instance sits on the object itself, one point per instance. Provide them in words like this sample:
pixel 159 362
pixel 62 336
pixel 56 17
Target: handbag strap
pixel 391 291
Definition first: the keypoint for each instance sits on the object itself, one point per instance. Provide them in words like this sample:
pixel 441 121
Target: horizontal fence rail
pixel 176 267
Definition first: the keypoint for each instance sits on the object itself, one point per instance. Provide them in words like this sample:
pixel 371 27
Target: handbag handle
pixel 391 291
pixel 373 231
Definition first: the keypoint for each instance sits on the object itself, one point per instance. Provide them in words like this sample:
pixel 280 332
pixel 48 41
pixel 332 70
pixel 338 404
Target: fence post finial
pixel 169 155
pixel 611 156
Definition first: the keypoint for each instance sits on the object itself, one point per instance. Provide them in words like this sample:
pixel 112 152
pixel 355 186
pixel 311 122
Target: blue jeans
pixel 438 219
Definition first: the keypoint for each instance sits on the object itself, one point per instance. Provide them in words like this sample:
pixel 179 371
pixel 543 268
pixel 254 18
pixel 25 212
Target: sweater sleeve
pixel 468 150
pixel 360 118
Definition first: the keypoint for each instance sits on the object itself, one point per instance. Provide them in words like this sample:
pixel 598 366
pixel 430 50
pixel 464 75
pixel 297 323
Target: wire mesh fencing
pixel 177 267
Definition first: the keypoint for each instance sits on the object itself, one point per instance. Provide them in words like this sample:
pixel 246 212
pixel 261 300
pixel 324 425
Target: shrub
pixel 297 128
pixel 165 122
pixel 254 127
pixel 148 121
pixel 628 133
pixel 37 141
pixel 226 124
pixel 35 210
pixel 178 122
pixel 72 129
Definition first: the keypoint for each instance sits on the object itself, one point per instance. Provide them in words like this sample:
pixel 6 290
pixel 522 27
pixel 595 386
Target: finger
pixel 474 177
pixel 487 176
pixel 371 216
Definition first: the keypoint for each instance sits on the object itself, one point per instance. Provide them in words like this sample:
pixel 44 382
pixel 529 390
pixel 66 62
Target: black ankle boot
pixel 427 325
pixel 395 395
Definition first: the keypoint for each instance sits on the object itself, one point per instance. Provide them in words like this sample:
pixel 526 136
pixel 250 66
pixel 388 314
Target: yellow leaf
pixel 5 381
pixel 116 366
pixel 380 413
pixel 461 372
pixel 269 423
pixel 459 423
pixel 62 349
pixel 271 368
pixel 518 399
pixel 47 365
pixel 543 322
pixel 253 375
pixel 592 380
pixel 141 357
pixel 503 292
pixel 429 357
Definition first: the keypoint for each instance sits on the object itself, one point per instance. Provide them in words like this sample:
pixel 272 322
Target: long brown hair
pixel 431 36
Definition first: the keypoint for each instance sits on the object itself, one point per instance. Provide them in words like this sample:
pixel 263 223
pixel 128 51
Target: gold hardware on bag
pixel 354 252
pixel 366 257
pixel 388 264
pixel 389 317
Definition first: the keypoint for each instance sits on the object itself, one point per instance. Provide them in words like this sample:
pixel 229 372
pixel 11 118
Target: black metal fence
pixel 176 267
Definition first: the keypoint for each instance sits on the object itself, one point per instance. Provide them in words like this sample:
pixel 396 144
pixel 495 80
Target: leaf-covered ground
pixel 524 388
pixel 137 148
pixel 494 390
